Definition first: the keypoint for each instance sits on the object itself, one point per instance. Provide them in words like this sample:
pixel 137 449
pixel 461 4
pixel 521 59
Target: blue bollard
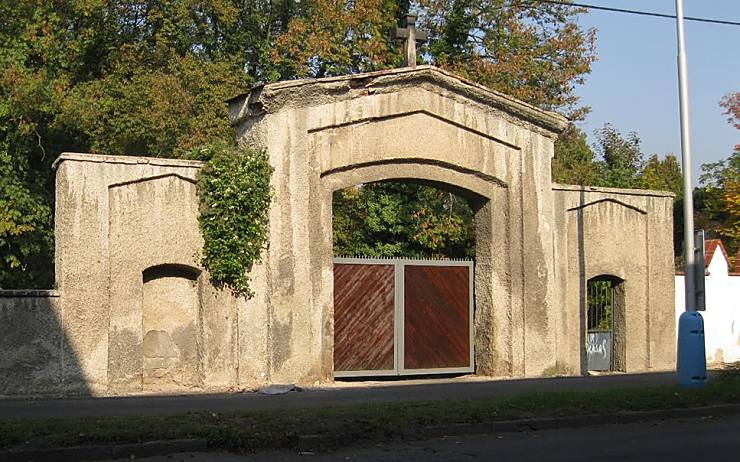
pixel 691 367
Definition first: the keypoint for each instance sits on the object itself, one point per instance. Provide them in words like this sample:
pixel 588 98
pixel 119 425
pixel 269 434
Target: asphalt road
pixel 685 440
pixel 335 395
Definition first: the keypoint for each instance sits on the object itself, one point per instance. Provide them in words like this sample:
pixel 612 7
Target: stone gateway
pixel 134 310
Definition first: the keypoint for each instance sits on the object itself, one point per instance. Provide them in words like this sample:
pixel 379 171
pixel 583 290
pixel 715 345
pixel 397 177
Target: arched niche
pixel 170 318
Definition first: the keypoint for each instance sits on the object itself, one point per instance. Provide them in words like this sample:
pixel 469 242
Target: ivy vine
pixel 235 195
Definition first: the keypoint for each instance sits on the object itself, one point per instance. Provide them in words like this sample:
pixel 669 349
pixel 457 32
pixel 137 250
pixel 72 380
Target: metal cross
pixel 410 36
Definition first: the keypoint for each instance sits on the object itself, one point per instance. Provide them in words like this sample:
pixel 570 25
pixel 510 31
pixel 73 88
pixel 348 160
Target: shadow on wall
pixel 582 284
pixel 37 357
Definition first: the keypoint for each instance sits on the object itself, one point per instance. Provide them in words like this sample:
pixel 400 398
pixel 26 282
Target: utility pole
pixel 691 367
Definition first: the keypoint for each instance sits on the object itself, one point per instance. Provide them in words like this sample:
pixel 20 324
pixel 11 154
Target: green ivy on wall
pixel 234 191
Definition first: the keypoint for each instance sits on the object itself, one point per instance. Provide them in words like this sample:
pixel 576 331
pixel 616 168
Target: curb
pixel 321 442
pixel 103 452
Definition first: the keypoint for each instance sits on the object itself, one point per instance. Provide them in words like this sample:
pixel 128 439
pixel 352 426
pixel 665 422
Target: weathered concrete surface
pixel 622 233
pixel 139 313
pixel 121 221
pixel 422 124
pixel 31 342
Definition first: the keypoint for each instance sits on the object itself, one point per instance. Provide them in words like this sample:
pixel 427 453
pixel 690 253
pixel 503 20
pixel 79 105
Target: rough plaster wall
pixel 154 222
pixel 170 316
pixel 310 144
pixel 31 341
pixel 81 231
pixel 312 131
pixel 661 283
pixel 539 312
pixel 295 323
pixel 621 233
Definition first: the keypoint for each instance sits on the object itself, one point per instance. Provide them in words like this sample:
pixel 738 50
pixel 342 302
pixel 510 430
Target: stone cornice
pixel 274 97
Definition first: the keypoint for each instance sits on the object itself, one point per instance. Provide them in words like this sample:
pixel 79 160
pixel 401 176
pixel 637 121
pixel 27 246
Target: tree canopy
pixel 718 197
pixel 146 77
pixel 402 219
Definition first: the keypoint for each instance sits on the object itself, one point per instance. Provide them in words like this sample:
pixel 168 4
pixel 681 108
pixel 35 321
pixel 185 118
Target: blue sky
pixel 634 84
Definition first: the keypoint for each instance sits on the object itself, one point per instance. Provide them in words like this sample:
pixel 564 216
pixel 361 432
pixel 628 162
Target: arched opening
pixel 170 318
pixel 605 324
pixel 403 278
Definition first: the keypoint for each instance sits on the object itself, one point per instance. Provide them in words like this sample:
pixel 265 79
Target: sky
pixel 634 83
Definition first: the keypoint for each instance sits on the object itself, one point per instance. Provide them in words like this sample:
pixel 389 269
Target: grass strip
pixel 248 432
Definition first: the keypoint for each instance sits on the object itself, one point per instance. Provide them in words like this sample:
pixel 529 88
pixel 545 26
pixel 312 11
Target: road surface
pixel 685 440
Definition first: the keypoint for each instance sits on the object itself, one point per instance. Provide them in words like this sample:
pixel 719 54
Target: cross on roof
pixel 410 36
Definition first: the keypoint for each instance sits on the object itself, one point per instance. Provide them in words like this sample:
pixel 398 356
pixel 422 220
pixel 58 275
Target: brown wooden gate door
pixel 402 317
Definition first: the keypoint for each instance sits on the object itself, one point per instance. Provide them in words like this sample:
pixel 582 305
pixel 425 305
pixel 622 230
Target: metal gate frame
pixel 399 265
pixel 610 330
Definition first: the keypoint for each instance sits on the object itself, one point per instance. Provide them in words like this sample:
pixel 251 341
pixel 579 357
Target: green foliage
pixel 26 239
pixel 234 191
pixel 150 78
pixel 600 304
pixel 574 160
pixel 615 161
pixel 110 77
pixel 717 201
pixel 621 159
pixel 532 51
pixel 662 175
pixel 402 220
pixel 331 37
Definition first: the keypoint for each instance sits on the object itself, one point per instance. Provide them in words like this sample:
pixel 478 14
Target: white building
pixel 722 316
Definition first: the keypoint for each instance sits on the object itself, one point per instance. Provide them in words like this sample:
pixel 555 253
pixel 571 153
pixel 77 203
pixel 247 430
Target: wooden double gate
pixel 402 317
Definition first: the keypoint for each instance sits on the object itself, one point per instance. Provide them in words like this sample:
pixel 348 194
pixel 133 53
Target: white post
pixel 688 198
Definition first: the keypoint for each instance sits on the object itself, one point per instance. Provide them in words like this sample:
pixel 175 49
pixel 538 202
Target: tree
pixel 621 159
pixel 574 161
pixel 123 77
pixel 532 51
pixel 149 77
pixel 402 220
pixel 717 199
pixel 731 104
pixel 662 174
pixel 336 37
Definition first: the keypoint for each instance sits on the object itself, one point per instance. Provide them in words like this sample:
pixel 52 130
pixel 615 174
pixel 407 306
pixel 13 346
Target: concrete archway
pixel 411 124
pixel 488 198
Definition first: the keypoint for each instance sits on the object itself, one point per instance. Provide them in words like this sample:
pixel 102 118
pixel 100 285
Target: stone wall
pixel 622 233
pixel 31 342
pixel 425 125
pixel 128 250
pixel 139 313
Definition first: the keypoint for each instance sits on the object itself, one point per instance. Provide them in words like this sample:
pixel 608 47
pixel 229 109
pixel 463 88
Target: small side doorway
pixel 600 308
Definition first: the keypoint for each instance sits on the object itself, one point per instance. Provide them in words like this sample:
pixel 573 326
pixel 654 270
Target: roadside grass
pixel 249 432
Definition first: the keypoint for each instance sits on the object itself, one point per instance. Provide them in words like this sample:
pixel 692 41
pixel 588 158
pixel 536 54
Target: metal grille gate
pixel 600 318
pixel 402 317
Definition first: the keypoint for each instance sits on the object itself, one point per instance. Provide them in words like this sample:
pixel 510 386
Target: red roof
pixel 710 247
